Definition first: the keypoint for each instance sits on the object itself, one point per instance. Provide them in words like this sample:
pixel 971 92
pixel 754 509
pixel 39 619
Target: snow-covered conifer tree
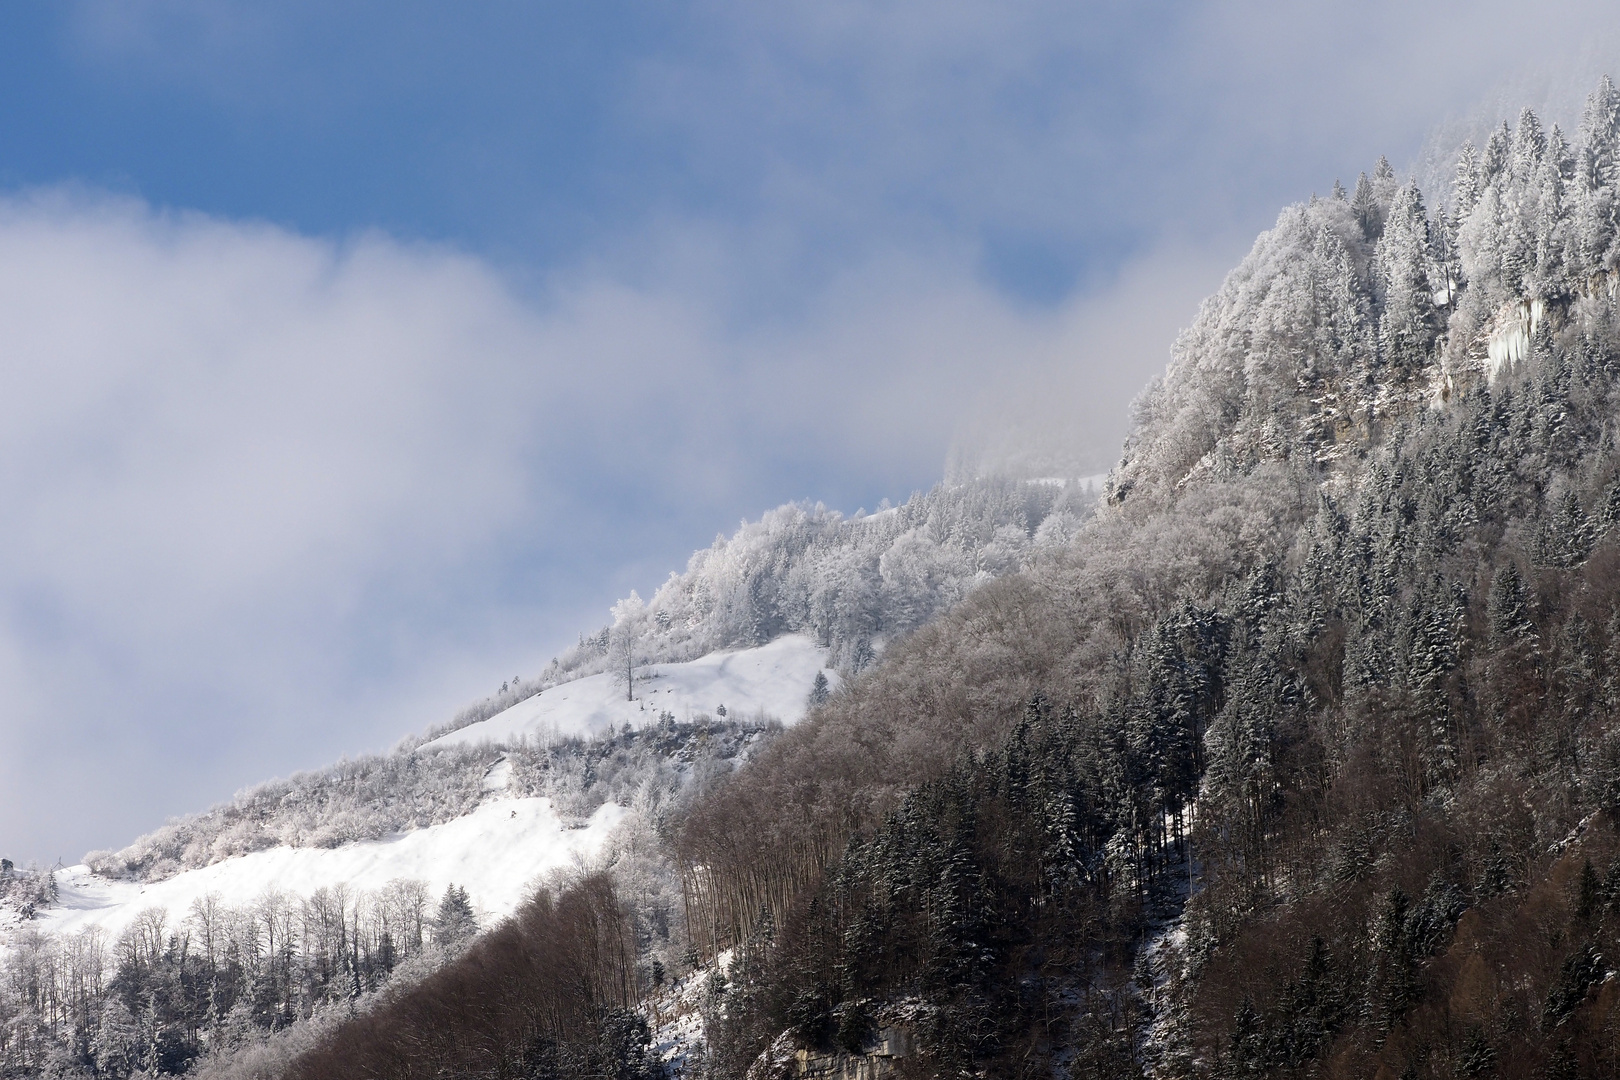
pixel 1408 326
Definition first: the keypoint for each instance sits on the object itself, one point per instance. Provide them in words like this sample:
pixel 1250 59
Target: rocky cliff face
pixel 877 1058
pixel 1359 308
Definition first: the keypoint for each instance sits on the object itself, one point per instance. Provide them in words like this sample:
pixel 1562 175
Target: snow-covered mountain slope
pixel 337 883
pixel 774 680
pixel 496 853
pixel 510 839
pixel 849 582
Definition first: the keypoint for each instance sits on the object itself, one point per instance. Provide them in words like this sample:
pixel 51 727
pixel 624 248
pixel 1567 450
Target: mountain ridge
pixel 1298 757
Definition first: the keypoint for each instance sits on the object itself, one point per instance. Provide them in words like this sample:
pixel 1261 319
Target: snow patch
pixel 773 679
pixel 1094 482
pixel 496 853
pixel 498 778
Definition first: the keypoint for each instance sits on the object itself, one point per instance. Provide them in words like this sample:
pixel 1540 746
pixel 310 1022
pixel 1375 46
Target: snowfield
pixel 496 853
pixel 500 850
pixel 773 679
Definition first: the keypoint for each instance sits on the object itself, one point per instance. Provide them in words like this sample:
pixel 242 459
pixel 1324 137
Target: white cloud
pixel 215 442
pixel 266 497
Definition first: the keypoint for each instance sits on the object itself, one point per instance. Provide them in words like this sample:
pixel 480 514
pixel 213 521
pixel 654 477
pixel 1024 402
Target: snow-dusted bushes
pixel 363 799
pixel 850 582
pixel 647 769
pixel 373 797
pixel 25 889
pixel 239 989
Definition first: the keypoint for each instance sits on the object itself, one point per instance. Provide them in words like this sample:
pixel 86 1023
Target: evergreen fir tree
pixel 1408 326
pixel 1508 606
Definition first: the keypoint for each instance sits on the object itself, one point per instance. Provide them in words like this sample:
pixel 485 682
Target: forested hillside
pixel 234 983
pixel 1299 757
pixel 226 941
pixel 1302 758
pixel 848 583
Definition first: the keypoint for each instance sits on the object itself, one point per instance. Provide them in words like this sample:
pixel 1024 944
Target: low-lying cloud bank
pixel 268 498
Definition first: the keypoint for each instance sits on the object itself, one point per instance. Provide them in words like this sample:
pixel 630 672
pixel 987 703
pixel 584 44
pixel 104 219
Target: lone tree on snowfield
pixel 629 625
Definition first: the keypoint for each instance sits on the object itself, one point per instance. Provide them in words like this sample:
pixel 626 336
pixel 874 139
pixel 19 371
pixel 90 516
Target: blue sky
pixel 355 357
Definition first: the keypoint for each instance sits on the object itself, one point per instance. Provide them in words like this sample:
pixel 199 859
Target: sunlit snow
pixel 773 679
pixel 496 853
pixel 499 850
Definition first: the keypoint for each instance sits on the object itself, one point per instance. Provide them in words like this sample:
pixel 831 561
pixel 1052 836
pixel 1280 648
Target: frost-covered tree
pixel 625 642
pixel 819 691
pixel 454 922
pixel 1465 183
pixel 1408 324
